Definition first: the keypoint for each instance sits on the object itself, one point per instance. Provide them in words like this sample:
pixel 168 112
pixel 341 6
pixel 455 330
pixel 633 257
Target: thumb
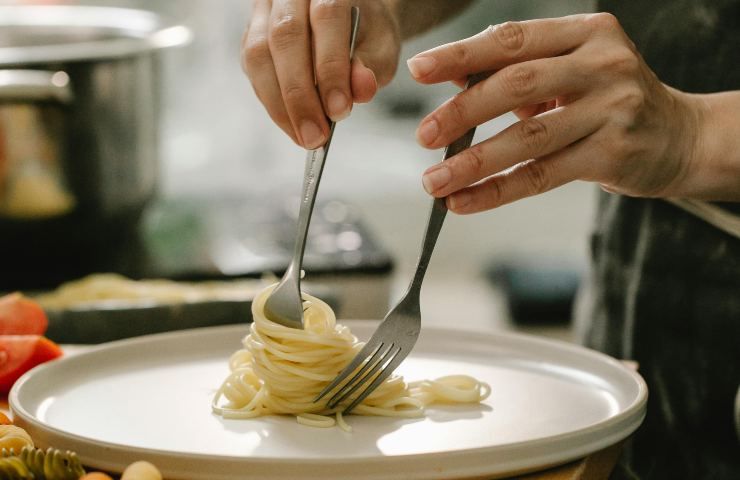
pixel 363 82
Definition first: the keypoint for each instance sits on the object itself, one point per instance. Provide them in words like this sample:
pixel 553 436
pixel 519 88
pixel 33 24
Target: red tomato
pixel 20 353
pixel 21 316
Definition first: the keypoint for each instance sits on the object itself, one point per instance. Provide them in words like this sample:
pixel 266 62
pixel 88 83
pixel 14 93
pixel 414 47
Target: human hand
pixel 287 40
pixel 589 109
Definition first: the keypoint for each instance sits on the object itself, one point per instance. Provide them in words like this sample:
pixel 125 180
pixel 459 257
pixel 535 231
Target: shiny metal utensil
pixel 285 303
pixel 398 332
pixel 87 80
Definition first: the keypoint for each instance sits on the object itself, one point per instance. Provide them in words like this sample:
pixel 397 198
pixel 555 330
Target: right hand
pixel 278 58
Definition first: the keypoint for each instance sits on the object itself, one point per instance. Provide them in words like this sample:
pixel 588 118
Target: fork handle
pixel 437 216
pixel 314 167
pixel 439 207
pixel 312 175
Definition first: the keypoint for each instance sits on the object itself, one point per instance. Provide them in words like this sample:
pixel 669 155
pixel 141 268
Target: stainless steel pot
pixel 79 101
pixel 31 138
pixel 78 109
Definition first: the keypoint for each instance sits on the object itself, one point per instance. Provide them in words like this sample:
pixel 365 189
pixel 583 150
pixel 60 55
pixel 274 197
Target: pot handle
pixel 34 85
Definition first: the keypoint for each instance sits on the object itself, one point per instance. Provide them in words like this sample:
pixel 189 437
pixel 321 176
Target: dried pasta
pixel 14 438
pixel 281 370
pixel 34 463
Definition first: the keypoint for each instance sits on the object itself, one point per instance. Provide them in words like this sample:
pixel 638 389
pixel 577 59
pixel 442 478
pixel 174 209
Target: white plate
pixel 149 398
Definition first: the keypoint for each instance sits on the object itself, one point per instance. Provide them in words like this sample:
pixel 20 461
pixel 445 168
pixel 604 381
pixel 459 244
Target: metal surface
pixel 92 146
pixel 285 304
pixel 45 34
pixel 397 334
pixel 107 139
pixel 29 85
pixel 32 184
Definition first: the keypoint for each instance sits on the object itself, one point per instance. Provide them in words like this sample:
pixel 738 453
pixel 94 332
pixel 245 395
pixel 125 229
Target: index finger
pixel 330 25
pixel 499 46
pixel 290 46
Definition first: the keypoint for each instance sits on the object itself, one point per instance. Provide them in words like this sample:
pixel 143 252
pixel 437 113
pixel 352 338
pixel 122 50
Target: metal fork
pixel 285 303
pixel 399 330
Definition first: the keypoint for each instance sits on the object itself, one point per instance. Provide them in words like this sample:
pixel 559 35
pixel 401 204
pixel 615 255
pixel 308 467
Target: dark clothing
pixel 665 286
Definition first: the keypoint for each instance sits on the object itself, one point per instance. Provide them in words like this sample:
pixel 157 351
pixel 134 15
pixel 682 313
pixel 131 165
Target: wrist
pixel 713 155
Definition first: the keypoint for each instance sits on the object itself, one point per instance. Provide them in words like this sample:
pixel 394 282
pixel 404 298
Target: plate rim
pixel 630 417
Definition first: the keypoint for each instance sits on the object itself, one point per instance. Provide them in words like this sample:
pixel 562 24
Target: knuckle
pixel 461 53
pixel 537 177
pixel 633 99
pixel 602 21
pixel 622 60
pixel 256 52
pixel 494 193
pixel 533 134
pixel 294 94
pixel 626 108
pixel 510 36
pixel 518 80
pixel 328 9
pixel 457 111
pixel 473 163
pixel 285 30
pixel 331 66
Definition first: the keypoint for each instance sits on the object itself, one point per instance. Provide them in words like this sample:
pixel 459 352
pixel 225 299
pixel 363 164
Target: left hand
pixel 590 109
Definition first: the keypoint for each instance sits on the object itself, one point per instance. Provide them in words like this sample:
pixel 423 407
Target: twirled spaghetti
pixel 281 370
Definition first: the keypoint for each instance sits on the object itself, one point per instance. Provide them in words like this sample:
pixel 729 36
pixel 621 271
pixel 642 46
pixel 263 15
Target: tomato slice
pixel 21 316
pixel 20 353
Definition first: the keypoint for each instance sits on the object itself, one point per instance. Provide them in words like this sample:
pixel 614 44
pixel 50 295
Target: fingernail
pixel 459 200
pixel 428 132
pixel 421 66
pixel 436 178
pixel 311 134
pixel 337 105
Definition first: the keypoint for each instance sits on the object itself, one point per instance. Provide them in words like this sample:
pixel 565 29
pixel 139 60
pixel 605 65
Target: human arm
pixel 590 109
pixel 287 40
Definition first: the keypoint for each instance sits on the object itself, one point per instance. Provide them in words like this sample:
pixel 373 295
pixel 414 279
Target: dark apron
pixel 664 288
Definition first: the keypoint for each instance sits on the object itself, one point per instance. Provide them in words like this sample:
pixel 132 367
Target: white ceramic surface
pixel 149 398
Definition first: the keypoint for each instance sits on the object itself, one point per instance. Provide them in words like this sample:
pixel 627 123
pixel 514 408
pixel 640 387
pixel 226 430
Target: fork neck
pixel 312 176
pixel 434 226
pixel 438 211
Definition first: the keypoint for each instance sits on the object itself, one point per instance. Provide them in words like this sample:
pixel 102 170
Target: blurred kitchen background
pixel 228 183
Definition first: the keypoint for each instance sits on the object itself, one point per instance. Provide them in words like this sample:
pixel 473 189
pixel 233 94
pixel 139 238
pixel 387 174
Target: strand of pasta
pixel 281 370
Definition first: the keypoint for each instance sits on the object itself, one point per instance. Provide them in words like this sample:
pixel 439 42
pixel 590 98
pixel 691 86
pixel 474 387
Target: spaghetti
pixel 281 370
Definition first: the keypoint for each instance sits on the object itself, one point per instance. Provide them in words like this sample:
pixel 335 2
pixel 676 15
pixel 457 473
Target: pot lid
pixel 49 34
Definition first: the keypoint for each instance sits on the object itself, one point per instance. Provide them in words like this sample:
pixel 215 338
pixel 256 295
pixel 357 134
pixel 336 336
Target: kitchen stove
pixel 206 239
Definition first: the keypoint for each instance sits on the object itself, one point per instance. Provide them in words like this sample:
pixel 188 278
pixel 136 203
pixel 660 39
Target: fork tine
pixel 370 348
pixel 368 371
pixel 392 364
